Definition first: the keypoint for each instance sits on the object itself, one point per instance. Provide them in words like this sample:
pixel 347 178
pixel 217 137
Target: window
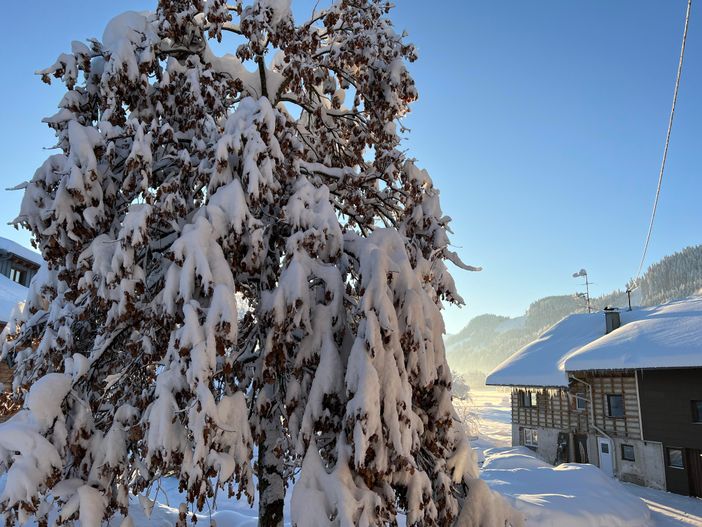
pixel 16 275
pixel 697 411
pixel 615 405
pixel 628 453
pixel 580 402
pixel 531 437
pixel 675 458
pixel 527 399
pixel 604 448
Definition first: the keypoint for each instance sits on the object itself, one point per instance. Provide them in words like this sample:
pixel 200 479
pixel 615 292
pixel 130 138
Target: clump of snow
pixel 30 456
pixel 279 9
pixel 45 397
pixel 130 25
pixel 571 495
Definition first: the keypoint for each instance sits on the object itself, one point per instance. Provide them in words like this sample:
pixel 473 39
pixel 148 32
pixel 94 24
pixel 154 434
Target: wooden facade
pixel 609 383
pixel 555 408
pixel 551 422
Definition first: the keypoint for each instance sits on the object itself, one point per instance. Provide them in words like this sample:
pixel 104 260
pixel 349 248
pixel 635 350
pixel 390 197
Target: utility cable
pixel 667 141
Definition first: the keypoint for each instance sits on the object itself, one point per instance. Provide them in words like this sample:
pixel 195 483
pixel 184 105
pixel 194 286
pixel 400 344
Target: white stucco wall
pixel 548 441
pixel 648 467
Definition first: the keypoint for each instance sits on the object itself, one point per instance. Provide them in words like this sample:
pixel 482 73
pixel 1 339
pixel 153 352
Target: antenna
pixel 630 289
pixel 583 273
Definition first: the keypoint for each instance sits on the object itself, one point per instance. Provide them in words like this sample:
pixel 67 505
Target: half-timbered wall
pixel 613 383
pixel 555 408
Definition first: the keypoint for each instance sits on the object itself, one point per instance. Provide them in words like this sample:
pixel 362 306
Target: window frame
pixel 633 453
pixel 580 398
pixel 668 461
pixel 696 407
pixel 608 402
pixel 17 275
pixel 527 399
pixel 531 437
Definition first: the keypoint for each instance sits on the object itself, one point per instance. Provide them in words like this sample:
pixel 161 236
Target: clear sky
pixel 542 123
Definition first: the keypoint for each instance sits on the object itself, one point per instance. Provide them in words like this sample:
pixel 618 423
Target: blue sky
pixel 542 123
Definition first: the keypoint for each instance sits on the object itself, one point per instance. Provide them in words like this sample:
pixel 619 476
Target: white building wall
pixel 515 434
pixel 647 469
pixel 547 448
pixel 592 450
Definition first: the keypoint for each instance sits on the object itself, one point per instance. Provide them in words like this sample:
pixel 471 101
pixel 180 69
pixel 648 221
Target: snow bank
pixel 569 495
pixel 511 458
pixel 11 294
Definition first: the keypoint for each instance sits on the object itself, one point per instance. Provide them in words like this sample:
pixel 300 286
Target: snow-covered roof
pixel 665 336
pixel 540 363
pixel 11 293
pixel 21 251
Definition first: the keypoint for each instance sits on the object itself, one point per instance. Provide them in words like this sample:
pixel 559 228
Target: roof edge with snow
pixel 667 336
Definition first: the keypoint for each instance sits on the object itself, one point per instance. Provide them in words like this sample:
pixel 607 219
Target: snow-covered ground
pixel 571 495
pixel 568 496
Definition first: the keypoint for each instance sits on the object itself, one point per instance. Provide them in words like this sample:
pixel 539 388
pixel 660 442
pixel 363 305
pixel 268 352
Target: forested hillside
pixel 488 339
pixel 675 276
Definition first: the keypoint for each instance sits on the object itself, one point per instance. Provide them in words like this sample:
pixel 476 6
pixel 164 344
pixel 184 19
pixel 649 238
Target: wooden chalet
pixel 620 390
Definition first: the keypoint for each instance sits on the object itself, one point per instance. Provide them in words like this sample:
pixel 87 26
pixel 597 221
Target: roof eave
pixel 549 386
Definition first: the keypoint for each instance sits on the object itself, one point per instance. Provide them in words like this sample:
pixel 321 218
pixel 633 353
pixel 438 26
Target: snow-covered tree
pixel 239 257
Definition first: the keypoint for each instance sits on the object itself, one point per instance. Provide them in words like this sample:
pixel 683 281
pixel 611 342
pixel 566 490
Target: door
pixel 694 464
pixel 562 452
pixel 605 448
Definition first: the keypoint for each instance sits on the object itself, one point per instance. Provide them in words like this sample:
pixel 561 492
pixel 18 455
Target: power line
pixel 667 140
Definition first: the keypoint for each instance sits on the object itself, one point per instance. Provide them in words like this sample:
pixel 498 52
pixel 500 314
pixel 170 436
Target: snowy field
pixel 571 495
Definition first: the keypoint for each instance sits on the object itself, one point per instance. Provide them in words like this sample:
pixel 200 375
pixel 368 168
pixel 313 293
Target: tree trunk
pixel 271 485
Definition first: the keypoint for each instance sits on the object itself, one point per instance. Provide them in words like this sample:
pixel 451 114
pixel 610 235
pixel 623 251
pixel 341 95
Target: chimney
pixel 612 320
